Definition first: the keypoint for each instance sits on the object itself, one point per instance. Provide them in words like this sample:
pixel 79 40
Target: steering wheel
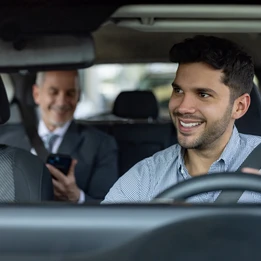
pixel 227 181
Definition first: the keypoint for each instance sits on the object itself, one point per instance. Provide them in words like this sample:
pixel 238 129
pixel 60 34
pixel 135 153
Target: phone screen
pixel 60 161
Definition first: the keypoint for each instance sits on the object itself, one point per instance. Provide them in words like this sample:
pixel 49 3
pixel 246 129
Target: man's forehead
pixel 197 74
pixel 61 74
pixel 61 79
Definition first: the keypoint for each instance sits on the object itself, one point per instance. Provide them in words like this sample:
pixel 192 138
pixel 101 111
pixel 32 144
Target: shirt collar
pixel 227 155
pixel 43 130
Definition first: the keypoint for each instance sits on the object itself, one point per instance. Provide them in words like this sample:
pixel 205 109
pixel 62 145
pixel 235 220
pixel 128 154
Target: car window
pixel 103 83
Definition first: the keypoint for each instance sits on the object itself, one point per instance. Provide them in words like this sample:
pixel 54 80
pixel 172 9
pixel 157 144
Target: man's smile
pixel 188 125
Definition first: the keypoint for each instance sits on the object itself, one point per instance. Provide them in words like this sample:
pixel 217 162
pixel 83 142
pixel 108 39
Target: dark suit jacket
pixel 95 151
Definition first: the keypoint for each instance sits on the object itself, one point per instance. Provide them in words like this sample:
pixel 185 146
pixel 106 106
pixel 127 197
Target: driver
pixel 211 90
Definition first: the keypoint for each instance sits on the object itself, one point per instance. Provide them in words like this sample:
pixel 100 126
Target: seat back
pixel 136 105
pixel 23 177
pixel 140 133
pixel 138 141
pixel 250 123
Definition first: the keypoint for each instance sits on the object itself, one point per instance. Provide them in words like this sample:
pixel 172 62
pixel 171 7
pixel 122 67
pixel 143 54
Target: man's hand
pixel 65 187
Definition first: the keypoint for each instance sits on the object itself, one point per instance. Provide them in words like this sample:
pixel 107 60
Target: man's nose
pixel 61 99
pixel 187 105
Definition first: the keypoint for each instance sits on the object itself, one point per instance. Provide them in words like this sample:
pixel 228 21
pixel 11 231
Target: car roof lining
pixel 145 33
pixel 124 45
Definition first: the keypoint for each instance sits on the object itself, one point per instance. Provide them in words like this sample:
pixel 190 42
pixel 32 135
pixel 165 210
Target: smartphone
pixel 60 161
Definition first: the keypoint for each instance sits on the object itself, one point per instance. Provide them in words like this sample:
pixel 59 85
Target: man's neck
pixel 198 161
pixel 52 127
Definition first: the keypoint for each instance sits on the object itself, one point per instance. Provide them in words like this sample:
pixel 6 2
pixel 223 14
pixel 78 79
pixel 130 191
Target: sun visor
pixel 47 53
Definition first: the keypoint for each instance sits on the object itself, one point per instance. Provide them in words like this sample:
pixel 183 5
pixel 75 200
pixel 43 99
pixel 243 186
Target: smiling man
pixel 210 92
pixel 57 94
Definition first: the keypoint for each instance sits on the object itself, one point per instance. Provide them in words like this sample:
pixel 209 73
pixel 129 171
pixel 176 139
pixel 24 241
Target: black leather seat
pixel 143 134
pixel 141 140
pixel 250 123
pixel 23 177
pixel 136 105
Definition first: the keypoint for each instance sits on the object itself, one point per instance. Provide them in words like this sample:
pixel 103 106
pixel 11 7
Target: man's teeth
pixel 189 125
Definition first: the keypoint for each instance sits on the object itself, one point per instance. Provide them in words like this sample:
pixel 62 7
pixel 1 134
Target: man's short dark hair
pixel 221 54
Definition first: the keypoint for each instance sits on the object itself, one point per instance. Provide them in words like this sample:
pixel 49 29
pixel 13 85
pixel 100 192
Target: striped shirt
pixel 149 177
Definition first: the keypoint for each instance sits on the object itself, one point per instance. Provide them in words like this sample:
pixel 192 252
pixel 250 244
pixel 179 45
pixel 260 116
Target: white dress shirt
pixel 43 132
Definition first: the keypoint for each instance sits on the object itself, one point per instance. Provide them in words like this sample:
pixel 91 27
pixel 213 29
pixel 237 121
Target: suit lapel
pixel 71 140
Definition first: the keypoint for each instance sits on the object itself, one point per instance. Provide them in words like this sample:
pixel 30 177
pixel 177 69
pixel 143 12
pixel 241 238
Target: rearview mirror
pixel 47 53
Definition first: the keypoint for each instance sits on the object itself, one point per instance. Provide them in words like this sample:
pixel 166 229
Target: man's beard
pixel 212 133
pixel 52 122
pixel 58 124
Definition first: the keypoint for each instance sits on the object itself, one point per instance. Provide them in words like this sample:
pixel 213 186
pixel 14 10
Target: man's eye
pixel 52 92
pixel 71 94
pixel 177 90
pixel 204 95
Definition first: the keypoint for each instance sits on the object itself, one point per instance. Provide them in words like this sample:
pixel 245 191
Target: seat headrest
pixel 136 105
pixel 4 104
pixel 250 123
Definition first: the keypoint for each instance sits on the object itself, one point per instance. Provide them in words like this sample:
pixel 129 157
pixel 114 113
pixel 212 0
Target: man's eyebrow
pixel 197 89
pixel 53 87
pixel 174 85
pixel 207 90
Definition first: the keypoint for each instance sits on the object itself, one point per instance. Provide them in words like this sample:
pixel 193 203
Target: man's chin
pixel 59 123
pixel 188 143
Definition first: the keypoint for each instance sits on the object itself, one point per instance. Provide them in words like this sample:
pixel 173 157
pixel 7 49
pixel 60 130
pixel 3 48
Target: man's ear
pixel 35 91
pixel 241 105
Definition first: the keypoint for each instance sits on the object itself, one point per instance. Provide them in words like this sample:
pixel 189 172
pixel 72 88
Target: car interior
pixel 44 35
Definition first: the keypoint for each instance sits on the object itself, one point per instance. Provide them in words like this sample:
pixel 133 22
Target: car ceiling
pixel 124 45
pixel 41 18
pixel 135 33
pixel 29 18
pixel 23 17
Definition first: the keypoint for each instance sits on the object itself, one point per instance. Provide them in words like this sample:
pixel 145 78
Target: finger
pixel 58 186
pixel 59 196
pixel 56 173
pixel 251 170
pixel 72 168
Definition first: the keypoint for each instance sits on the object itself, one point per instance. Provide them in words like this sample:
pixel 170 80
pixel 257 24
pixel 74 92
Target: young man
pixel 210 91
pixel 57 94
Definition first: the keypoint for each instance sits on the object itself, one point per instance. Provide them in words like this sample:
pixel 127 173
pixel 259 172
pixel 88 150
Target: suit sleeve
pixel 105 171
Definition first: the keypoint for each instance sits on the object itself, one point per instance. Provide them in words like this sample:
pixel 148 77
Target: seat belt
pixel 30 123
pixel 253 161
